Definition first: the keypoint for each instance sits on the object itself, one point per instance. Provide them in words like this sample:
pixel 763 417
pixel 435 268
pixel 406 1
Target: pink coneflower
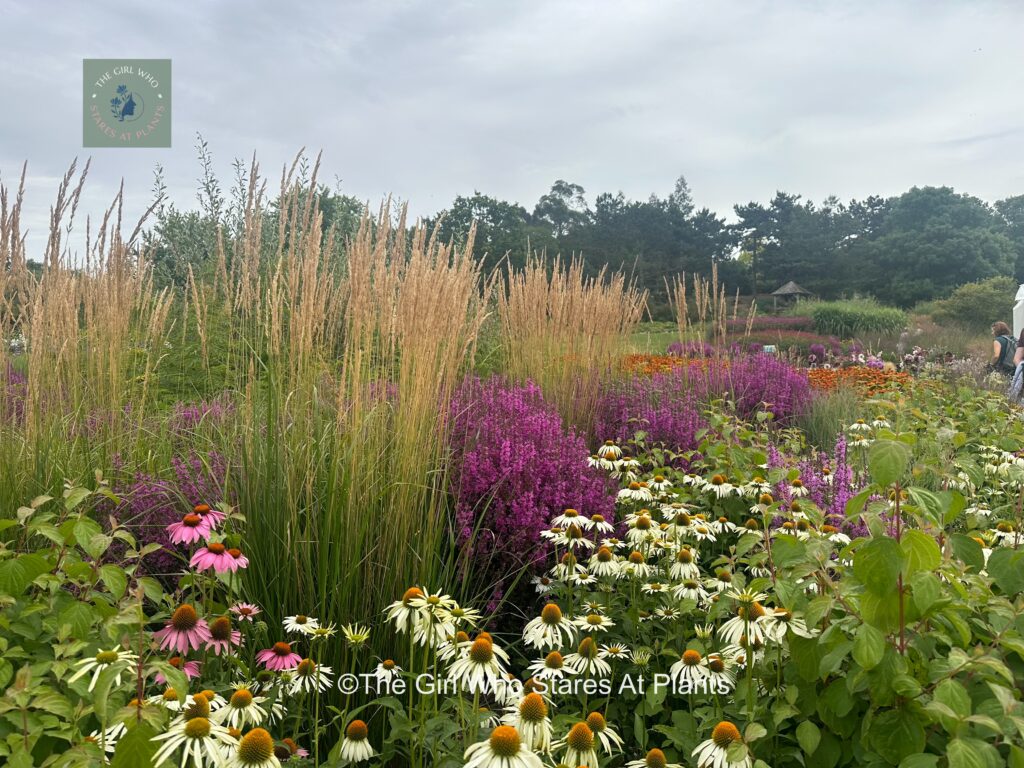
pixel 185 630
pixel 215 516
pixel 190 668
pixel 223 639
pixel 218 557
pixel 245 611
pixel 191 529
pixel 279 658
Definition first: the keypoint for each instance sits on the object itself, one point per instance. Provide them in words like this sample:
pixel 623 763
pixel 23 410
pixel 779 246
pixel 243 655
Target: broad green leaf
pixel 968 550
pixel 881 611
pixel 74 497
pixel 920 760
pixel 18 572
pixel 79 616
pixel 954 695
pixel 1006 567
pixel 868 646
pixel 887 461
pixel 855 506
pixel 809 736
pixel 787 550
pixel 877 563
pixel 926 590
pixel 920 552
pixel 967 753
pixel 136 748
pixel 754 732
pixel 896 734
pixel 115 579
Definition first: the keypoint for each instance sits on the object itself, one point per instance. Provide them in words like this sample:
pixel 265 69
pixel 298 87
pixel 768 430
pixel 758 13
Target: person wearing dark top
pixel 1004 349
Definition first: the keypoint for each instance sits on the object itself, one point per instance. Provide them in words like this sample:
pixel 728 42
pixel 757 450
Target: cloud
pixel 430 100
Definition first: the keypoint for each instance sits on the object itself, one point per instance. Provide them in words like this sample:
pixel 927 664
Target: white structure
pixel 1018 312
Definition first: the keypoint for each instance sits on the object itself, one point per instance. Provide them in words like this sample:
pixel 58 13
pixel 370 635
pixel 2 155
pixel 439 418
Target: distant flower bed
pixel 865 380
pixel 770 323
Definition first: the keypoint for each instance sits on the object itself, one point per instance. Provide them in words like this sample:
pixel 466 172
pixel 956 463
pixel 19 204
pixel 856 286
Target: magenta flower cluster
pixel 515 467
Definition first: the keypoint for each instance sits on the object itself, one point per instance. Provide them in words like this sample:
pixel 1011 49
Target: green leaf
pixel 74 497
pixel 136 748
pixel 176 679
pixel 754 732
pixel 906 686
pixel 18 572
pixel 856 505
pixel 920 552
pixel 85 528
pixel 887 461
pixel 968 550
pixel 966 753
pixel 737 752
pixel 920 760
pixel 115 578
pixel 79 617
pixel 955 696
pixel 926 590
pixel 881 611
pixel 896 734
pixel 1006 567
pixel 787 550
pixel 809 736
pixel 868 646
pixel 877 563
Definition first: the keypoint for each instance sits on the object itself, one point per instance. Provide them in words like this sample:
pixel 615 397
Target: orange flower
pixel 866 381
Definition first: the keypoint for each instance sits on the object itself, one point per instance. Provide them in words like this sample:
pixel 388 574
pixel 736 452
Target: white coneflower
pixel 567 565
pixel 635 492
pixel 714 753
pixel 169 700
pixel 861 441
pixel 1004 533
pixel 543 584
pixel 579 745
pixel 722 526
pixel 356 635
pixel 614 651
pixel 689 670
pixel 641 657
pixel 201 741
pixel 405 615
pixel 593 622
pixel 300 624
pixel 720 582
pixel 654 588
pixel 635 565
pixel 745 622
pixel 243 709
pixel 114 658
pixel 835 535
pixel 702 532
pixel 859 426
pixel 309 676
pixel 530 717
pixel 717 672
pixel 720 487
pixel 433 628
pixel 603 563
pixel 690 589
pixel 454 647
pixel 788 528
pixel 684 565
pixel 582 578
pixel 480 667
pixel 880 423
pixel 614 543
pixel 255 750
pixel 465 617
pixel 660 483
pixel 797 489
pixel 553 534
pixel 610 741
pixel 609 450
pixel 387 671
pixel 654 758
pixel 551 667
pixel 355 746
pixel 826 476
pixel 598 524
pixel 778 620
pixel 549 630
pixel 567 518
pixel 587 660
pixel 504 749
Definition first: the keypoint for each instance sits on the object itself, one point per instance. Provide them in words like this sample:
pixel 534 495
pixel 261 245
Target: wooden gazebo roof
pixel 791 289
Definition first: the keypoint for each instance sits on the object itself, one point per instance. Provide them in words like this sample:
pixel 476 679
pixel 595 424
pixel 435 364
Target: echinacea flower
pixel 215 516
pixel 551 667
pixel 654 758
pixel 402 612
pixel 278 657
pixel 530 718
pixel 610 740
pixel 355 746
pixel 116 657
pixel 689 670
pixel 190 529
pixel 593 622
pixel 587 660
pixel 184 631
pixel 778 620
pixel 549 630
pixel 504 749
pixel 292 749
pixel 245 611
pixel 310 676
pixel 300 624
pixel 223 639
pixel 190 668
pixel 579 745
pixel 255 750
pixel 215 556
pixel 201 742
pixel 355 635
pixel 714 753
pixel 387 671
pixel 243 708
pixel 480 667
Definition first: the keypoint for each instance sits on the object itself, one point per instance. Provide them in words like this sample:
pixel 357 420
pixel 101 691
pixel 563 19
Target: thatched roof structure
pixel 791 289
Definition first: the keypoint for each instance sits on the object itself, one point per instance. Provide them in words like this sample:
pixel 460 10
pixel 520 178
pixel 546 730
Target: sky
pixel 427 100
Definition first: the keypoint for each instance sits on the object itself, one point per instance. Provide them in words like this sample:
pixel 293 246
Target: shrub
pixel 514 468
pixel 976 305
pixel 847 319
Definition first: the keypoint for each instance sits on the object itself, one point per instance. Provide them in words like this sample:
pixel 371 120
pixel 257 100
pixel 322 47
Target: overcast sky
pixel 431 99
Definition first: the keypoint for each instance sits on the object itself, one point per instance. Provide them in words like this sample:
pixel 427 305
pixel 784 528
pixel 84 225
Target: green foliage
pixel 848 319
pixel 977 305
